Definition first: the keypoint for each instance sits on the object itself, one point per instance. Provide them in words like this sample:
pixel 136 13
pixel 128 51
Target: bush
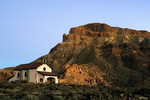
pixel 30 97
pixel 30 91
pixel 28 87
pixel 57 98
pixel 4 98
pixel 74 97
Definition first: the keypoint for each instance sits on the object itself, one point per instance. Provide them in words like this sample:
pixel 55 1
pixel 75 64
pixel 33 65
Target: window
pixel 18 74
pixel 25 74
pixel 41 80
pixel 44 69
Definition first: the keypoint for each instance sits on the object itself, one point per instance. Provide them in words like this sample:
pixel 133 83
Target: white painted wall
pixel 48 69
pixel 39 76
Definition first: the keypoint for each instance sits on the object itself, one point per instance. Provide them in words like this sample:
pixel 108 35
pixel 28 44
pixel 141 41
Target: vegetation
pixel 21 90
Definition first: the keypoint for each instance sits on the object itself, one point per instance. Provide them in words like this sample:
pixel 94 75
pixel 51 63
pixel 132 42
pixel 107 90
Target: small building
pixel 34 72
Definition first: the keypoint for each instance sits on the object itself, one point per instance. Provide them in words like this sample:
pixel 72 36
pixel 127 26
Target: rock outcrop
pixel 5 74
pixel 100 54
pixel 82 75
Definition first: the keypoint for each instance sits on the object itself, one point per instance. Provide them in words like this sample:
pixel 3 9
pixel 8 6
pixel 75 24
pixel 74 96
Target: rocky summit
pixel 97 53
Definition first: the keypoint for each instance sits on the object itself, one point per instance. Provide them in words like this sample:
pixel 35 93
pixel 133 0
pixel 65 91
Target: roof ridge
pixel 28 66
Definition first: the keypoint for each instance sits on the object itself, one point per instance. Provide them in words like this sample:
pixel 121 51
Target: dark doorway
pixel 50 80
pixel 41 80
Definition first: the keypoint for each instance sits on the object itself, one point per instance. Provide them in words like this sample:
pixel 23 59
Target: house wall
pixel 32 75
pixel 28 75
pixel 15 77
pixel 39 76
pixel 22 77
pixel 48 69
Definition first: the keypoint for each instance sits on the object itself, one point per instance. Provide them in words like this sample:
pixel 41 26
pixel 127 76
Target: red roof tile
pixel 28 66
pixel 47 73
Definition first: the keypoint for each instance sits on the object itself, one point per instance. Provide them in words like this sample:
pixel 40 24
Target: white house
pixel 34 72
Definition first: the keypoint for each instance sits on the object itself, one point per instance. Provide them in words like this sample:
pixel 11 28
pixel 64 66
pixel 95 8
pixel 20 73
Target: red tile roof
pixel 47 73
pixel 28 66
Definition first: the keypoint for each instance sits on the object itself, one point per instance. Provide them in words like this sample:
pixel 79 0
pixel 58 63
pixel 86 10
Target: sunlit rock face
pixel 97 53
pixel 5 74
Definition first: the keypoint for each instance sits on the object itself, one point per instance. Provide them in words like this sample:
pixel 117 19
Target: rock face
pixel 83 74
pixel 100 54
pixel 5 74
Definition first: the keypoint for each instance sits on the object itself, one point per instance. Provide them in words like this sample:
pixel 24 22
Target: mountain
pixel 97 53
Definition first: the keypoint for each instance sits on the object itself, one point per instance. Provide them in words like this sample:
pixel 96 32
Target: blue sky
pixel 30 28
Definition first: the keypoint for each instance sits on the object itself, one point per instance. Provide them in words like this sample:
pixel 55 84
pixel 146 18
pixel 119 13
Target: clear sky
pixel 30 28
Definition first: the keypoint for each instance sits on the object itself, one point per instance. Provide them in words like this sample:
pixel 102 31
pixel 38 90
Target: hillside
pixel 5 74
pixel 97 53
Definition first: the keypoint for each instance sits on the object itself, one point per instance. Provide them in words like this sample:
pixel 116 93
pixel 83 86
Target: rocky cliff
pixel 97 53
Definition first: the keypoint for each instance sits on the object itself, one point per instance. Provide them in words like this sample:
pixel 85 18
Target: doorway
pixel 51 80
